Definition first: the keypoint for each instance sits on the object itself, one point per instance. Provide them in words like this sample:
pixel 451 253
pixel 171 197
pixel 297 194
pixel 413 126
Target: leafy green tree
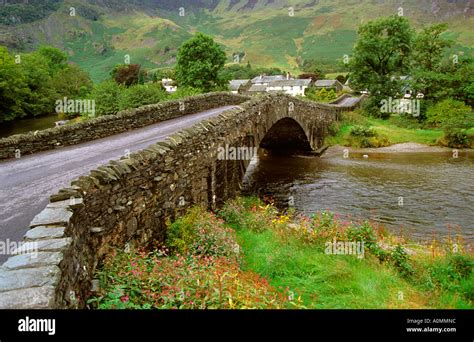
pixel 55 58
pixel 141 94
pixel 13 87
pixel 450 113
pixel 380 56
pixel 72 81
pixel 429 77
pixel 41 97
pixel 106 95
pixel 199 63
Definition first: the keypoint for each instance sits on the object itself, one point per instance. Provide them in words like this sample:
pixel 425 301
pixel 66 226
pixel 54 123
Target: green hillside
pixel 271 33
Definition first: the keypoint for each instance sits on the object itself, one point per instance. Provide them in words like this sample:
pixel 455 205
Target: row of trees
pixel 389 48
pixel 30 84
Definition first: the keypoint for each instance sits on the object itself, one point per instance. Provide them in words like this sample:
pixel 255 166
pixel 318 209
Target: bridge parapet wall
pixel 108 125
pixel 130 201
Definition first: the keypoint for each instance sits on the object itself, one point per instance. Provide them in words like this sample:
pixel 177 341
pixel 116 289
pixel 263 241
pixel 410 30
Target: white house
pixel 266 80
pixel 169 85
pixel 290 87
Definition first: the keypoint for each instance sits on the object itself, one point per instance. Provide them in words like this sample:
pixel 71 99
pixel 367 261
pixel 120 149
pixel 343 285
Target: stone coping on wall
pixel 54 263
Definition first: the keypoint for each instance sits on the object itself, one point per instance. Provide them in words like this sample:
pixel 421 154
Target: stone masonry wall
pixel 107 125
pixel 129 201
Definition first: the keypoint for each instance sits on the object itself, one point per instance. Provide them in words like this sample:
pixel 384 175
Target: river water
pixel 420 195
pixel 27 125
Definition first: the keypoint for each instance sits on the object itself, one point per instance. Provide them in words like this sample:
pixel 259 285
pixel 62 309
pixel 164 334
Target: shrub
pixel 455 137
pixel 354 117
pixel 182 92
pixel 201 233
pixel 334 128
pixel 139 280
pixel 250 213
pixel 450 114
pixel 400 260
pixel 106 96
pixel 362 131
pixel 140 95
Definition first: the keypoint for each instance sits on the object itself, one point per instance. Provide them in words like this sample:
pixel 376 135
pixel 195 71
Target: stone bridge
pixel 129 201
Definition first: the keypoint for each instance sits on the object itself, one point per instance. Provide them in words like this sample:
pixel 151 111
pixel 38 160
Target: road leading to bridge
pixel 27 183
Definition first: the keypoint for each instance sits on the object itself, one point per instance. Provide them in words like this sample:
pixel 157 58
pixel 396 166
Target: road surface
pixel 27 183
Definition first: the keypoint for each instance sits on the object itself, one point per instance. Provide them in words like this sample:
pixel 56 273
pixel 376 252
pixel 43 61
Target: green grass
pixel 281 262
pixel 391 130
pixel 326 281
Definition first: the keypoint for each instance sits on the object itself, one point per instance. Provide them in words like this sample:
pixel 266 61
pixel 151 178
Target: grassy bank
pixel 395 130
pixel 250 256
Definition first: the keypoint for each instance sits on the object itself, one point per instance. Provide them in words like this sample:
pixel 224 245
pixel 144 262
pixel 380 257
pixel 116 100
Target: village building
pixel 329 85
pixel 169 85
pixel 290 87
pixel 239 86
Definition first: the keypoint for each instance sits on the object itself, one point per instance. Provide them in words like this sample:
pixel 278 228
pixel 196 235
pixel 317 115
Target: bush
pixel 355 118
pixel 250 213
pixel 456 138
pixel 450 114
pixel 140 95
pixel 139 280
pixel 362 131
pixel 201 233
pixel 334 128
pixel 106 96
pixel 182 92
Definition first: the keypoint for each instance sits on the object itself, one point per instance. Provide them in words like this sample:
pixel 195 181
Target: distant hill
pixel 102 32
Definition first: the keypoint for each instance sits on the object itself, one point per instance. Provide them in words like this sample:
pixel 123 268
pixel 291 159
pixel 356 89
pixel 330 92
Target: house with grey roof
pixel 239 86
pixel 257 89
pixel 266 80
pixel 291 87
pixel 328 85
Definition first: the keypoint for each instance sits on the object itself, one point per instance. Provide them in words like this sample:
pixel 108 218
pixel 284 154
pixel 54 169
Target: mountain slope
pixel 103 31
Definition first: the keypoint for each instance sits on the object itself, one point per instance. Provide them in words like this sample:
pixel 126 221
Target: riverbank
pixel 393 134
pixel 408 147
pixel 249 255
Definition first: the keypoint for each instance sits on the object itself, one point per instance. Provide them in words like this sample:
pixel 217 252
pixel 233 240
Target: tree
pixel 141 94
pixel 41 96
pixel 381 55
pixel 55 58
pixel 429 77
pixel 106 96
pixel 199 63
pixel 72 81
pixel 13 87
pixel 126 74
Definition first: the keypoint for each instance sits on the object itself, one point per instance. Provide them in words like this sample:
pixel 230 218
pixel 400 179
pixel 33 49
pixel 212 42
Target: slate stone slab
pixel 51 245
pixel 30 277
pixel 31 298
pixel 33 260
pixel 43 232
pixel 51 216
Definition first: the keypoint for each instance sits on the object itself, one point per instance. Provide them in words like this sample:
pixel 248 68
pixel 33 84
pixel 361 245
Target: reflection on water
pixel 27 125
pixel 437 190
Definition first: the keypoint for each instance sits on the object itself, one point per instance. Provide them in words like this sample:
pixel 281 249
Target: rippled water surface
pixel 437 190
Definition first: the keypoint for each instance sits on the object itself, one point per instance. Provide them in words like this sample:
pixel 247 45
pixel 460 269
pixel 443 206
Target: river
pixel 422 195
pixel 27 125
